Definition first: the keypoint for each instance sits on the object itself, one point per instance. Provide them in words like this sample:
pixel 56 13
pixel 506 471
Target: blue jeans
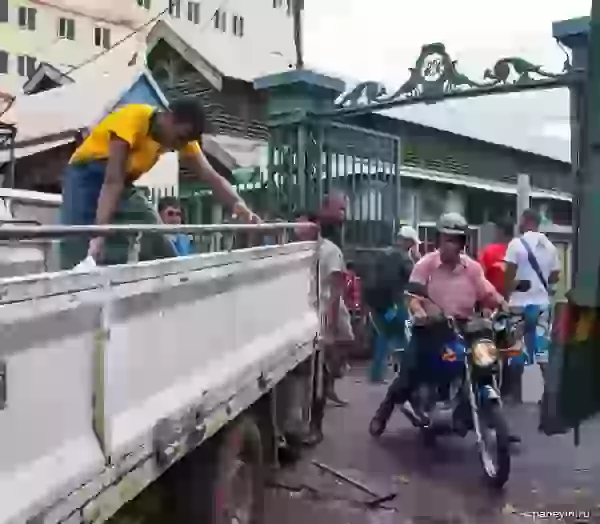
pixel 391 327
pixel 82 184
pixel 536 344
pixel 416 363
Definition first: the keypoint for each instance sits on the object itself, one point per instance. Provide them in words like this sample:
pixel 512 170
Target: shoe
pixel 416 417
pixel 379 421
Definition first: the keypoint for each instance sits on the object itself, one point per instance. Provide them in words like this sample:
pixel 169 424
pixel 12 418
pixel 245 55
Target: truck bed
pixel 110 377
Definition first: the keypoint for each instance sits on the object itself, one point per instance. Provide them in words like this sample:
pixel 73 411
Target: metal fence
pixel 217 237
pixel 307 160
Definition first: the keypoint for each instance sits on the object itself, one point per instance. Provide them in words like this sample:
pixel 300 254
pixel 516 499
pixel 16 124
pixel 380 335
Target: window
pixel 27 18
pixel 238 25
pixel 3 62
pixel 220 20
pixel 102 37
pixel 66 28
pixel 144 3
pixel 3 10
pixel 194 12
pixel 175 8
pixel 25 65
pixel 290 5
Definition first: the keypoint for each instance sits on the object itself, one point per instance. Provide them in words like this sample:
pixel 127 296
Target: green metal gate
pixel 311 158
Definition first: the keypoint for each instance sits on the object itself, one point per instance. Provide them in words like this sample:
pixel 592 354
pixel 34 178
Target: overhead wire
pixel 221 6
pixel 98 55
pixel 136 31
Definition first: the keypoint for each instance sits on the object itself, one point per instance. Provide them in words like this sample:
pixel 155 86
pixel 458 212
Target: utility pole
pixel 586 278
pixel 297 8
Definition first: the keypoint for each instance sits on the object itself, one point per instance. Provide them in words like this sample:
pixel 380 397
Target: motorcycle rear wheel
pixel 497 467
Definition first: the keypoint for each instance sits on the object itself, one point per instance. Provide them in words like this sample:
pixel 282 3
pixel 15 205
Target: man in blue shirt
pixel 170 213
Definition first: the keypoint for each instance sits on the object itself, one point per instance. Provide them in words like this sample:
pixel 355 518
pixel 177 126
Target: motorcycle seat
pixel 477 325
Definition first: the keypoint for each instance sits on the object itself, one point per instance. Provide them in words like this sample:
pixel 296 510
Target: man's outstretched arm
pixel 224 191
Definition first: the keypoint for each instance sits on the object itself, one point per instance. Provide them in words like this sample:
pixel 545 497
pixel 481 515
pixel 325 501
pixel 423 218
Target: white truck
pixel 154 391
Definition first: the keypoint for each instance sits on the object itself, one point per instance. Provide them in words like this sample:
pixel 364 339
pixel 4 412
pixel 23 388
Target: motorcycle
pixel 509 329
pixel 398 348
pixel 461 391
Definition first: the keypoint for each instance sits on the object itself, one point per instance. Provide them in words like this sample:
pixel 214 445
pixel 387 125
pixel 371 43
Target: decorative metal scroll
pixel 436 75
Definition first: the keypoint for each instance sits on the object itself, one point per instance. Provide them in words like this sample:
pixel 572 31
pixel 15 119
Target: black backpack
pixel 391 273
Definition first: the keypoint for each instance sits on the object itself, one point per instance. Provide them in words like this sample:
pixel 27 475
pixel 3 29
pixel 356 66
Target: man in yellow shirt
pixel 98 183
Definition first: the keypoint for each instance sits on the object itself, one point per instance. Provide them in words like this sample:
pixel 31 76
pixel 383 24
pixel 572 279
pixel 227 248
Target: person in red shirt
pixel 353 293
pixel 492 257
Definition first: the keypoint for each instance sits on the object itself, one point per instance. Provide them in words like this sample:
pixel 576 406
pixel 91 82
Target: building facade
pixel 67 33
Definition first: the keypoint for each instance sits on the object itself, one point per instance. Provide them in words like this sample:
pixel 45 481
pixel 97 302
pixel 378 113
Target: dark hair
pixel 532 216
pixel 331 231
pixel 309 215
pixel 189 111
pixel 168 201
pixel 506 227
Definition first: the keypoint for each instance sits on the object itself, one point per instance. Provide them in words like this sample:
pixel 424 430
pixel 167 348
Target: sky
pixel 380 39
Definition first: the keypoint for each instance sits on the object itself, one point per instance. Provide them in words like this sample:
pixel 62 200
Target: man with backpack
pixel 533 258
pixel 385 296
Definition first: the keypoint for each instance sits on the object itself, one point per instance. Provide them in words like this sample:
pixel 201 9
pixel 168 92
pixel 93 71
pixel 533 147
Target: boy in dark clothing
pixel 393 267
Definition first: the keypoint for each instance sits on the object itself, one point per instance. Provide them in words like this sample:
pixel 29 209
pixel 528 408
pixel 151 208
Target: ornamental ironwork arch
pixel 436 77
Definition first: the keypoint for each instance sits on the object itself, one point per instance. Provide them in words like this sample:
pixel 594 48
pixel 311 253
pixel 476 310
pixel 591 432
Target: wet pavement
pixel 551 480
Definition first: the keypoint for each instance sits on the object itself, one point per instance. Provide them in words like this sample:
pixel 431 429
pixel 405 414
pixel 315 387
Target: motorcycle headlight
pixel 484 353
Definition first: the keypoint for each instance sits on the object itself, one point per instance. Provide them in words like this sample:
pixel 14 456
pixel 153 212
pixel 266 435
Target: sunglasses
pixel 173 213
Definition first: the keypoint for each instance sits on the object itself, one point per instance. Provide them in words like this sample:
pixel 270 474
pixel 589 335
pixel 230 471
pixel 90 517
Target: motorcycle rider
pixel 456 283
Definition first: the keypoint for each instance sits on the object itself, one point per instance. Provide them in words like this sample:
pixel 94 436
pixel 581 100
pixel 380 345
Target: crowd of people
pixel 99 189
pixel 456 282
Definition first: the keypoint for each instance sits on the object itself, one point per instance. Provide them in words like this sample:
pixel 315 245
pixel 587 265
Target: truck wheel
pixel 225 481
pixel 238 488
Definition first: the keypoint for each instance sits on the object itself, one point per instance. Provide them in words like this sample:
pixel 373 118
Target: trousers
pixel 416 368
pixel 82 184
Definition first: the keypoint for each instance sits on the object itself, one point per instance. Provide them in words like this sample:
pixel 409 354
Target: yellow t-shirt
pixel 130 123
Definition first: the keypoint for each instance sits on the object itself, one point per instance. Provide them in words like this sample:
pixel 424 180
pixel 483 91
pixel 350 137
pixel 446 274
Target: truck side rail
pixel 109 377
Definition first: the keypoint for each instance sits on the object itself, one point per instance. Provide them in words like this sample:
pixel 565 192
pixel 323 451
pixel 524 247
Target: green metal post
pixel 586 291
pixel 293 95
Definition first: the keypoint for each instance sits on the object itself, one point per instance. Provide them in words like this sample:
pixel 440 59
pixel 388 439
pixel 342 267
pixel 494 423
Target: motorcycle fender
pixel 488 392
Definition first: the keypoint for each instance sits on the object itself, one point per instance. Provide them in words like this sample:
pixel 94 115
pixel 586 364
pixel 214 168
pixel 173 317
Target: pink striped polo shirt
pixel 455 290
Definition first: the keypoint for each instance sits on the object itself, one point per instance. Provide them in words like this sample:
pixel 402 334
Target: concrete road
pixel 551 480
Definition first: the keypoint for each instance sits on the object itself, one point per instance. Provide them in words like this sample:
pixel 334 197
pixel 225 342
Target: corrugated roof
pixel 230 57
pixel 97 87
pixel 67 108
pixel 235 152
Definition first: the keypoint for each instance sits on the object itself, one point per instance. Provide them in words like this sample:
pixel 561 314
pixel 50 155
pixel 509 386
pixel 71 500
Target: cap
pixel 409 232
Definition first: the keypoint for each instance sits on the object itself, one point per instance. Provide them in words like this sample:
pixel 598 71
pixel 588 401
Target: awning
pixel 33 149
pixel 479 183
pixel 235 152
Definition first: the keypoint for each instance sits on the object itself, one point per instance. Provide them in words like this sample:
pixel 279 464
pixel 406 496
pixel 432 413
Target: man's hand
pixel 487 312
pixel 242 211
pixel 96 247
pixel 419 315
pixel 503 305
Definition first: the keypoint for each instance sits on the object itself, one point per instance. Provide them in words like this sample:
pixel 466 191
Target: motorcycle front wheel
pixel 495 449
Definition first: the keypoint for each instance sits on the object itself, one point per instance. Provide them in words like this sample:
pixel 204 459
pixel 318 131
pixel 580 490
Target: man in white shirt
pixel 531 257
pixel 336 326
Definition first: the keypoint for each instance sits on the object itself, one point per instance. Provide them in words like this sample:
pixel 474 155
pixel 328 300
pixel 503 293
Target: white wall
pixel 164 176
pixel 266 29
